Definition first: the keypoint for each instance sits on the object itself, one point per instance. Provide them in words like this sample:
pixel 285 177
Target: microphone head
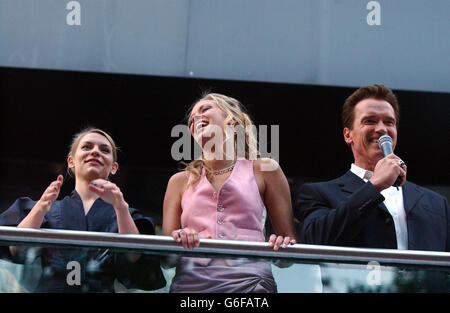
pixel 383 139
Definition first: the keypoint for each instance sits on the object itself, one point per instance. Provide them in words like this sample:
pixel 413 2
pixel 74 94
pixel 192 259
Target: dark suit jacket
pixel 348 212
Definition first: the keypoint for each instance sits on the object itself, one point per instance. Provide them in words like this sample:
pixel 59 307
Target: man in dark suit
pixel 362 208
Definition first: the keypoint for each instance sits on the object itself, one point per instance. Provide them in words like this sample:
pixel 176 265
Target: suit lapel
pixel 350 182
pixel 411 196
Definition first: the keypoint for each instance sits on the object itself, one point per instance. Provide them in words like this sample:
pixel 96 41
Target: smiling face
pixel 372 119
pixel 93 157
pixel 204 118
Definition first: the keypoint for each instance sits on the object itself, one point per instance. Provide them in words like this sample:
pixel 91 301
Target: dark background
pixel 42 109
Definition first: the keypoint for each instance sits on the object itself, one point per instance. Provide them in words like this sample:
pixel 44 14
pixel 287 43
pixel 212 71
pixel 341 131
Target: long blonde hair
pixel 235 114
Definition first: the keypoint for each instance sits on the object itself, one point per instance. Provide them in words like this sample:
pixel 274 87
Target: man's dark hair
pixel 377 91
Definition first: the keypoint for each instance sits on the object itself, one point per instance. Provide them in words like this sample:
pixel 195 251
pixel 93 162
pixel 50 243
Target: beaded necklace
pixel 224 170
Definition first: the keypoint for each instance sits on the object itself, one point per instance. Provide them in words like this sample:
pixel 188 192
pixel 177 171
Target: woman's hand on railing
pixel 280 241
pixel 188 237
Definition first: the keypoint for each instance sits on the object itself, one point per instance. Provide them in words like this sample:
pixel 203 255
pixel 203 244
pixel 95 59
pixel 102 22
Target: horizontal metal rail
pixel 213 247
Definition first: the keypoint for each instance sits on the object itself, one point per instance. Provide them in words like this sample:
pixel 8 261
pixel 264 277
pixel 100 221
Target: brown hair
pixel 377 91
pixel 78 136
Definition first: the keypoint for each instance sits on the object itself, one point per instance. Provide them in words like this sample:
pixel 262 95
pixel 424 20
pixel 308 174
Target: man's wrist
pixel 376 185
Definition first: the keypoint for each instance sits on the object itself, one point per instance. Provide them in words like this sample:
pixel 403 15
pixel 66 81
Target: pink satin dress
pixel 234 212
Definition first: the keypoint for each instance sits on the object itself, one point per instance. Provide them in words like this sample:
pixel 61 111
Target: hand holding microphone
pixel 389 171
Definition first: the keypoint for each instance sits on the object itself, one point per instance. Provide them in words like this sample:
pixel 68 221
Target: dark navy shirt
pixel 99 266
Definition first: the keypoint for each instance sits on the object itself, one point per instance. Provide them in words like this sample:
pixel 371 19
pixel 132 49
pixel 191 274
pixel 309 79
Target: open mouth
pixel 374 139
pixel 94 161
pixel 200 125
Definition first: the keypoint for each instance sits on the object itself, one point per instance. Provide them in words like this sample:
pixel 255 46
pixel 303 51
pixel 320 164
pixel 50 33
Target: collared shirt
pixel 393 200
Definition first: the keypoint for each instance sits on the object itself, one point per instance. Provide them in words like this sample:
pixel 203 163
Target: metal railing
pixel 213 247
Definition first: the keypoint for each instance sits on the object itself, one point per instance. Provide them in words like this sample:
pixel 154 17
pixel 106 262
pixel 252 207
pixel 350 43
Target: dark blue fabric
pixel 99 267
pixel 348 212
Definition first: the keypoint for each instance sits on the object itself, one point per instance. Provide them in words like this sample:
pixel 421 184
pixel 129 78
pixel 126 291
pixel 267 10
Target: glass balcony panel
pixel 72 261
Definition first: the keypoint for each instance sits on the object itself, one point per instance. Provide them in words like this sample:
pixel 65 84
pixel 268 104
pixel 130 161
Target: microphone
pixel 385 143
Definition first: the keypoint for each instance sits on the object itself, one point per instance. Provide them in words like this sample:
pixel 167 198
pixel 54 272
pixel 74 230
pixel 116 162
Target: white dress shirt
pixel 393 200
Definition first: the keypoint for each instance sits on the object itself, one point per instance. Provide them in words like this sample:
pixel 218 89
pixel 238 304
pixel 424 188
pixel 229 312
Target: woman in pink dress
pixel 224 195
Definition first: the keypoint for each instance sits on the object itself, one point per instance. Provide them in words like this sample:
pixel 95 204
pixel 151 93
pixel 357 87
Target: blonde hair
pixel 235 112
pixel 78 136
